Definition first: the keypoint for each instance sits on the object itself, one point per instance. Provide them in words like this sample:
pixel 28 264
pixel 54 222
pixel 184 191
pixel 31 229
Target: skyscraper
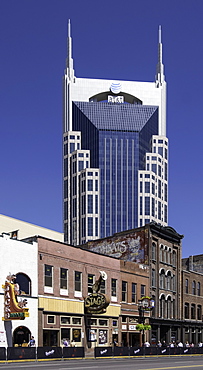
pixel 115 153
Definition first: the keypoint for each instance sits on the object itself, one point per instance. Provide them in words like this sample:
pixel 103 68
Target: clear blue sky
pixel 111 39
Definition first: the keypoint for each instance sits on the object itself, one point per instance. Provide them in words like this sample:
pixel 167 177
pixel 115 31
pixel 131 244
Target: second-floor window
pixel 63 278
pixel 113 287
pixel 90 282
pixel 48 275
pixel 124 291
pixel 103 287
pixel 143 291
pixel 78 281
pixel 134 292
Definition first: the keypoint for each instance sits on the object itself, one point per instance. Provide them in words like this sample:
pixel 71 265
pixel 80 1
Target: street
pixel 161 363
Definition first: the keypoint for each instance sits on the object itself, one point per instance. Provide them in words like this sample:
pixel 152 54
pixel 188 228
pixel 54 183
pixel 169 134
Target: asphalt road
pixel 162 363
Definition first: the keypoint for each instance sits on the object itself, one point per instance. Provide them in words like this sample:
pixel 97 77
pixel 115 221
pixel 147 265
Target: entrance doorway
pixel 51 338
pixel 21 335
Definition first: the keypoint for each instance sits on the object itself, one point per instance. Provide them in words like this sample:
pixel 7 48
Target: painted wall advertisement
pixel 129 247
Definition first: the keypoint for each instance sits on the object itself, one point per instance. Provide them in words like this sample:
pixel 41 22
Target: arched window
pixel 168 280
pixel 162 279
pixel 24 283
pixel 169 308
pixel 162 306
pixel 194 287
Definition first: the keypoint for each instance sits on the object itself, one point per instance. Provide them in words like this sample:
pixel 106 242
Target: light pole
pixel 141 305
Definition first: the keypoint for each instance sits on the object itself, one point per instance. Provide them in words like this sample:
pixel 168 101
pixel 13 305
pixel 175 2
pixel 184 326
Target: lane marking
pixel 173 367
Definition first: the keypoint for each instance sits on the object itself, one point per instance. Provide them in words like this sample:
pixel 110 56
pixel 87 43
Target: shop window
pixel 48 275
pixel 65 320
pixel 51 319
pixel 63 278
pixel 76 335
pixel 76 321
pixel 65 334
pixel 124 291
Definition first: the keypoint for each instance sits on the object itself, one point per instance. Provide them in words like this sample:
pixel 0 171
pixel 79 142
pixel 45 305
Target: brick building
pixel 192 299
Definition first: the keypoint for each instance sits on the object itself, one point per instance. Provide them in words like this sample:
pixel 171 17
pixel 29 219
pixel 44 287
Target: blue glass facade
pixel 118 137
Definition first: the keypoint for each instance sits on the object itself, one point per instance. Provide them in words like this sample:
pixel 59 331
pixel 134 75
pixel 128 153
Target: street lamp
pixel 141 309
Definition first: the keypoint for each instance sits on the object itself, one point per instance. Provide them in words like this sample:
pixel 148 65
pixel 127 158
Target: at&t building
pixel 115 153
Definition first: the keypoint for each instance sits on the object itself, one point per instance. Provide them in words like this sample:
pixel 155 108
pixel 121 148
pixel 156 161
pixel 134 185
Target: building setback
pixel 115 168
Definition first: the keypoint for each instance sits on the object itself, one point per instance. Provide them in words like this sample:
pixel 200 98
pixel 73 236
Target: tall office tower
pixel 115 153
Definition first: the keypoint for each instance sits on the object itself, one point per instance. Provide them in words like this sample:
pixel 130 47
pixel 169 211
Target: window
pixel 103 287
pixel 174 258
pixel 76 321
pixel 168 281
pixel 153 251
pixel 199 312
pixel 90 185
pixel 113 287
pixel 134 292
pixel 63 278
pixel 143 291
pixel 48 275
pixel 78 278
pixel 193 308
pixel 153 278
pixel 169 306
pixel 162 279
pixel 51 319
pixel 24 283
pixel 162 306
pixel 90 282
pixel 124 291
pixel 186 310
pixel 194 287
pixel 103 322
pixel 198 288
pixel 65 320
pixel 186 286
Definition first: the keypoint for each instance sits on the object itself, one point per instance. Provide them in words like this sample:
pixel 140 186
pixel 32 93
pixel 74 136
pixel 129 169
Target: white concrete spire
pixel 160 78
pixel 69 59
